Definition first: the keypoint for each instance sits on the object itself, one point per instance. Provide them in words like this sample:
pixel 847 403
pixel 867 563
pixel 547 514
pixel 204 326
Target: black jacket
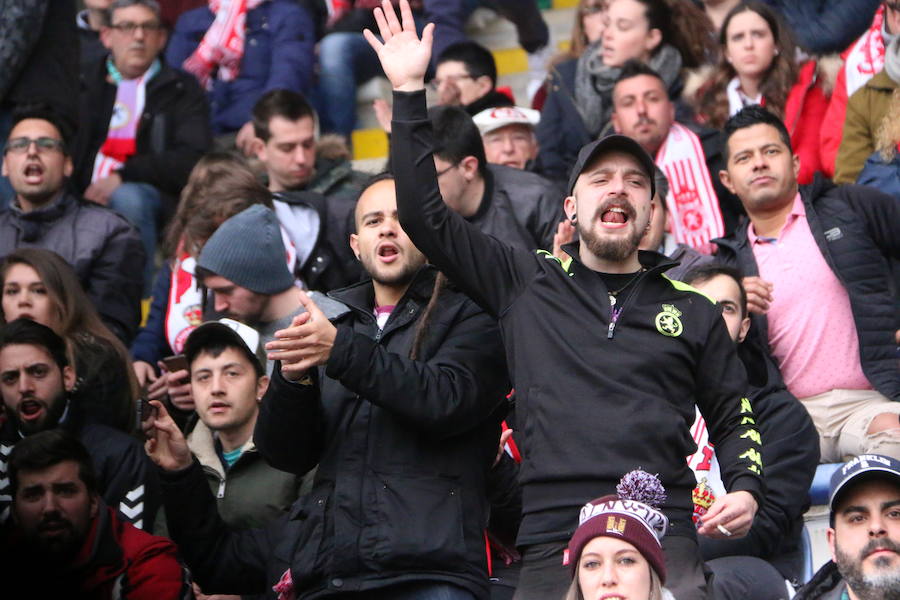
pixel 594 399
pixel 172 136
pixel 826 584
pixel 127 480
pixel 791 454
pixel 331 265
pixel 521 208
pixel 857 229
pixel 403 448
pixel 104 249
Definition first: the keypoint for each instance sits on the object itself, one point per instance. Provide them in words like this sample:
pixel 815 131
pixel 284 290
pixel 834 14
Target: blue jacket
pixel 278 54
pixel 881 175
pixel 824 26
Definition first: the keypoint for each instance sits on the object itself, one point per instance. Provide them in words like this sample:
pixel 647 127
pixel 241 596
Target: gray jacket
pixel 103 248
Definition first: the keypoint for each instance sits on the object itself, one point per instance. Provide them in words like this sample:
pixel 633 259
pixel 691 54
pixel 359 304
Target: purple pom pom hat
pixel 631 515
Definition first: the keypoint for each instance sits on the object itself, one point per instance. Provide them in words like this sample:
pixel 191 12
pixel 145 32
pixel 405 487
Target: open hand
pixel 165 443
pixel 404 57
pixel 306 343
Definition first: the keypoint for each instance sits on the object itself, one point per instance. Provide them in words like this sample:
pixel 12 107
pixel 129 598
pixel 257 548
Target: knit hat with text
pixel 632 514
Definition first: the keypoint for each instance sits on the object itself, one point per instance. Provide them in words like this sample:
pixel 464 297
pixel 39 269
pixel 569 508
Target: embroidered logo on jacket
pixel 668 322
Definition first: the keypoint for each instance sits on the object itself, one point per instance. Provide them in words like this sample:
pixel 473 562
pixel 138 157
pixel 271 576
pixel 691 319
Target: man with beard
pixel 242 265
pixel 64 542
pixel 864 536
pixel 397 403
pixel 608 356
pixel 35 381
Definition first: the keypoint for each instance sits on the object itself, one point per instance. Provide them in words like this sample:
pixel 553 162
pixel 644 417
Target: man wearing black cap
pixel 864 536
pixel 608 356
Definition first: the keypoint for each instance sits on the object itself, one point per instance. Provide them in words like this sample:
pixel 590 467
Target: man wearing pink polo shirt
pixel 816 261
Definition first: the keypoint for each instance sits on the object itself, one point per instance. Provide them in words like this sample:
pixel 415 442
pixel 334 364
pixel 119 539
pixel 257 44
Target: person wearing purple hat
pixel 616 551
pixel 610 358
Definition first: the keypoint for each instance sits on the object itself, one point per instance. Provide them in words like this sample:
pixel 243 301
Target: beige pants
pixel 842 418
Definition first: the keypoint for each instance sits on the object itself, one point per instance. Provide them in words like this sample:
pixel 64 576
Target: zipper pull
pixel 612 328
pixel 221 493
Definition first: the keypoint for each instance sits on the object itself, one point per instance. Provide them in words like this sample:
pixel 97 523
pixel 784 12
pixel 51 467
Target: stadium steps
pixel 370 144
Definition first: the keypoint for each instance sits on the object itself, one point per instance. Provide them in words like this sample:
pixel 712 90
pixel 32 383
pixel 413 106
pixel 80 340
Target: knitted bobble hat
pixel 248 250
pixel 631 515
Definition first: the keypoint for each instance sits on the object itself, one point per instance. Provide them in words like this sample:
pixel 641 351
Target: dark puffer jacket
pixel 403 449
pixel 103 248
pixel 857 229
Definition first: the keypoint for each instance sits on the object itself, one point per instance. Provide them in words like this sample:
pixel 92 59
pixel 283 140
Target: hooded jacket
pixel 403 449
pixel 866 110
pixel 857 229
pixel 595 396
pixel 101 245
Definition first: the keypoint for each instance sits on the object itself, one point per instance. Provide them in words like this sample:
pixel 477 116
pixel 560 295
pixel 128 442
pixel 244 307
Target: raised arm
pixel 488 270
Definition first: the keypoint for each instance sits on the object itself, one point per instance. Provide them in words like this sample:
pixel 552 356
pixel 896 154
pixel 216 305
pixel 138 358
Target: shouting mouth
pixel 388 253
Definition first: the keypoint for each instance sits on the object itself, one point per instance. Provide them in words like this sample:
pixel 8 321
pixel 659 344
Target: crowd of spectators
pixel 589 342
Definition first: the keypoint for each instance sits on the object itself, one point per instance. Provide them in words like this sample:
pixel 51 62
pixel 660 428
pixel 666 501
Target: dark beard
pixel 881 586
pixel 55 410
pixel 58 551
pixel 614 250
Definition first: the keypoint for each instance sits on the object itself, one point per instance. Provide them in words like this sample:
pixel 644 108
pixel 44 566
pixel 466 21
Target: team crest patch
pixel 668 321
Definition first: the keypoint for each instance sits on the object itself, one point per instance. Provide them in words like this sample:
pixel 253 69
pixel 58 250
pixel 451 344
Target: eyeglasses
pixel 443 172
pixel 44 145
pixel 129 28
pixel 435 83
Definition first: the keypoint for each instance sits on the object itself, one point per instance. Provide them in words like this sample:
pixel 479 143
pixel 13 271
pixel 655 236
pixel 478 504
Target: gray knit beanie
pixel 247 249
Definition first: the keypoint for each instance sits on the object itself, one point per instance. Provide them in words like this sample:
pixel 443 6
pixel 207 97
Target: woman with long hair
pixel 617 548
pixel 668 35
pixel 220 186
pixel 757 66
pixel 39 285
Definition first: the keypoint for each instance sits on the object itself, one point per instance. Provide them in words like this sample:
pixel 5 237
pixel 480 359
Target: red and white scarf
pixel 694 213
pixel 185 308
pixel 121 137
pixel 223 44
pixel 865 57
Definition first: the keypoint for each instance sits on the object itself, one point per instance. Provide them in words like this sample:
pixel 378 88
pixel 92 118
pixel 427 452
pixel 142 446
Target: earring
pixel 777 51
pixel 574 219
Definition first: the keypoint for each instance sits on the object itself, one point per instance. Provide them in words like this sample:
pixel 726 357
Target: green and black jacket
pixel 594 399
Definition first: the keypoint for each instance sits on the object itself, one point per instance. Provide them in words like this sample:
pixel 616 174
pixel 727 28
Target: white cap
pixel 494 118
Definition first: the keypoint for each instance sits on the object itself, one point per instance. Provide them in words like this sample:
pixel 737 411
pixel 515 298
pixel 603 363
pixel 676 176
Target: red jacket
pixel 116 562
pixel 804 112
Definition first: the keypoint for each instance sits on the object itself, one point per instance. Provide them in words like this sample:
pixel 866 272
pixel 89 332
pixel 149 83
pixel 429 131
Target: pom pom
pixel 640 486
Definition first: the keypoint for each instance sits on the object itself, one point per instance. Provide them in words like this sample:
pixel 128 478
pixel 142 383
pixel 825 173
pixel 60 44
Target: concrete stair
pixel 370 144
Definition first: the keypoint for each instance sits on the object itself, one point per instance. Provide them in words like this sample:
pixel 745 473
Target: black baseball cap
pixel 610 143
pixel 226 332
pixel 863 467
